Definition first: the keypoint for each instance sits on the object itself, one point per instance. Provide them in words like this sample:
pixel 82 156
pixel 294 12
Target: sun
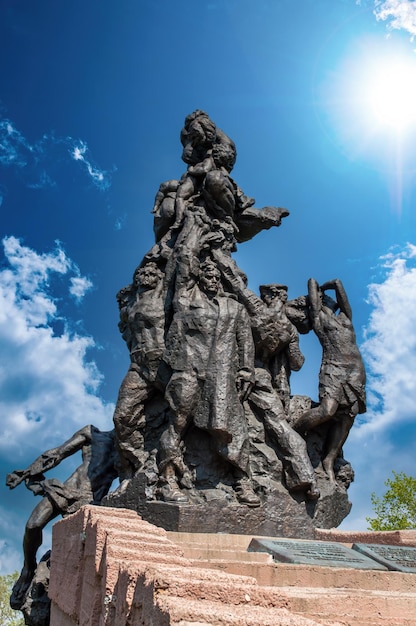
pixel 390 93
pixel 365 100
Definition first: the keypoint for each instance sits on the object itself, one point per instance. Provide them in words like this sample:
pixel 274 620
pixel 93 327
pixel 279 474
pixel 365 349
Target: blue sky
pixel 92 99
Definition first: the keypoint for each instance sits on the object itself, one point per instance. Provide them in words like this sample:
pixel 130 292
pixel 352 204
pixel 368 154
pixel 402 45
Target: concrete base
pixel 109 567
pixel 217 511
pixel 224 517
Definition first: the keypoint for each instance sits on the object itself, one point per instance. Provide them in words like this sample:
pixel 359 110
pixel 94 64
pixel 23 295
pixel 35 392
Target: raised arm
pixel 51 458
pixel 315 303
pixel 341 295
pixel 270 334
pixel 254 305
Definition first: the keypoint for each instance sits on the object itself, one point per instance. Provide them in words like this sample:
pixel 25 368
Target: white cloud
pixel 17 151
pixel 14 150
pixel 401 14
pixel 100 178
pixel 78 151
pixel 119 222
pixel 383 439
pixel 390 345
pixel 48 387
pixel 80 285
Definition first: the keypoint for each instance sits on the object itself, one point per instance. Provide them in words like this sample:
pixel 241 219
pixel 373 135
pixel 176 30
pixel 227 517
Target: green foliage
pixel 8 617
pixel 396 510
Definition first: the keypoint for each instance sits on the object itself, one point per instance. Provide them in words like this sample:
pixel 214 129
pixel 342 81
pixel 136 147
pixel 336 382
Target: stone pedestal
pixel 281 514
pixel 109 567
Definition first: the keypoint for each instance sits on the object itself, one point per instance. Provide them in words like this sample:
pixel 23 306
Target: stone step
pixel 221 541
pixel 357 606
pixel 127 575
pixel 201 612
pixel 287 574
pixel 324 605
pixel 213 554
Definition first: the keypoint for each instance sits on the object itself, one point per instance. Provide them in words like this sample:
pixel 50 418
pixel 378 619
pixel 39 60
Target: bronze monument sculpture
pixel 208 436
pixel 205 412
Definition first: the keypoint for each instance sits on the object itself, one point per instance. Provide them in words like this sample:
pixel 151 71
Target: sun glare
pixel 365 100
pixel 375 97
pixel 390 92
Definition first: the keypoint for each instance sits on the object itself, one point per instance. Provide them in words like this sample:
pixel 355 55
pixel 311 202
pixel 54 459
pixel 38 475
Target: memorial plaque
pixel 396 558
pixel 323 553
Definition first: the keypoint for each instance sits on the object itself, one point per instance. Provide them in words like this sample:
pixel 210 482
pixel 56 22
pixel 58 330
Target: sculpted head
pixel 209 278
pixel 197 136
pixel 147 277
pixel 224 154
pixel 270 293
pixel 123 296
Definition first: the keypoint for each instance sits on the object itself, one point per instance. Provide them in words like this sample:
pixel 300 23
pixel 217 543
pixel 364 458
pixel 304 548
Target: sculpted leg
pixel 129 420
pixel 289 445
pixel 318 415
pixel 236 452
pixel 42 514
pixel 181 393
pixel 252 221
pixel 337 435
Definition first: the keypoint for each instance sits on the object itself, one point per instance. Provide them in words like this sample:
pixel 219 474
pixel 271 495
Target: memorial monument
pixel 207 435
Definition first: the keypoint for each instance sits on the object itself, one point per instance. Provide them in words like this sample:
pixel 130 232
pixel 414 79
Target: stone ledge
pixel 390 537
pixel 97 580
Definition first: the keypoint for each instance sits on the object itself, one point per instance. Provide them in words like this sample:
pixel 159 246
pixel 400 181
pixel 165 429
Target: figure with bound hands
pixel 342 373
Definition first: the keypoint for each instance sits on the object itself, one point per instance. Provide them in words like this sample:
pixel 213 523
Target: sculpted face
pixel 273 293
pixel 282 295
pixel 147 277
pixel 210 280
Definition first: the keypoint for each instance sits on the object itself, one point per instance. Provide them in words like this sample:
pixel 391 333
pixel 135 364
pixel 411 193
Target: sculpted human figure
pixel 342 374
pixel 142 323
pixel 89 483
pixel 289 358
pixel 225 200
pixel 210 155
pixel 272 335
pixel 198 136
pixel 171 201
pixel 209 348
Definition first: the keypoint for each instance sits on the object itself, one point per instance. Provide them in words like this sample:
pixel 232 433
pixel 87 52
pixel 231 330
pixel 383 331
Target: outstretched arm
pixel 270 333
pixel 341 295
pixel 315 304
pixel 51 458
pixel 251 221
